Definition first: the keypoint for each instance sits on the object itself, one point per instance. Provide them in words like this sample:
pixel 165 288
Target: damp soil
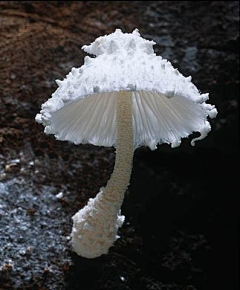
pixel 181 207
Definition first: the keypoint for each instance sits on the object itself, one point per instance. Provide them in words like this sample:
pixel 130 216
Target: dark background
pixel 181 207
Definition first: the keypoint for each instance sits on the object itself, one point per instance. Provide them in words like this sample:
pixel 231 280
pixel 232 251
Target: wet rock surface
pixel 181 207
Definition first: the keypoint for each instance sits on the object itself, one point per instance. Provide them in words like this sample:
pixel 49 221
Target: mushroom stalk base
pixel 95 226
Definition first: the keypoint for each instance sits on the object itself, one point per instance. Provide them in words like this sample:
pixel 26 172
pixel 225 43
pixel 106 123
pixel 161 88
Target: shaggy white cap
pixel 166 105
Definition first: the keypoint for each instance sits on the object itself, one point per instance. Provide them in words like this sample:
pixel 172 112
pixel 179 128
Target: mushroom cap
pixel 166 105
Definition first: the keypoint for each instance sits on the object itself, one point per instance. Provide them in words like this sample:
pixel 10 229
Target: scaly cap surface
pixel 166 105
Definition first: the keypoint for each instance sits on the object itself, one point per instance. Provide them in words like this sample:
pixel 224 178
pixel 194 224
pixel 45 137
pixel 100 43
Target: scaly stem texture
pixel 95 226
pixel 120 177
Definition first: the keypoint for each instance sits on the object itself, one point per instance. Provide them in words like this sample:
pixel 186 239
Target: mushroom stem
pixel 95 226
pixel 120 177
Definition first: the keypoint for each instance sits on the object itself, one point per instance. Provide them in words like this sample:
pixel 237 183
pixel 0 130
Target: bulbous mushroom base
pixel 95 227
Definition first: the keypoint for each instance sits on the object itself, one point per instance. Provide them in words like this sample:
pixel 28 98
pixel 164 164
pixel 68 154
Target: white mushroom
pixel 124 97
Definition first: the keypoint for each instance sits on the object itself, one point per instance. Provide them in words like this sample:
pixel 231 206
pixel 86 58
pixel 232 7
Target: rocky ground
pixel 181 207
